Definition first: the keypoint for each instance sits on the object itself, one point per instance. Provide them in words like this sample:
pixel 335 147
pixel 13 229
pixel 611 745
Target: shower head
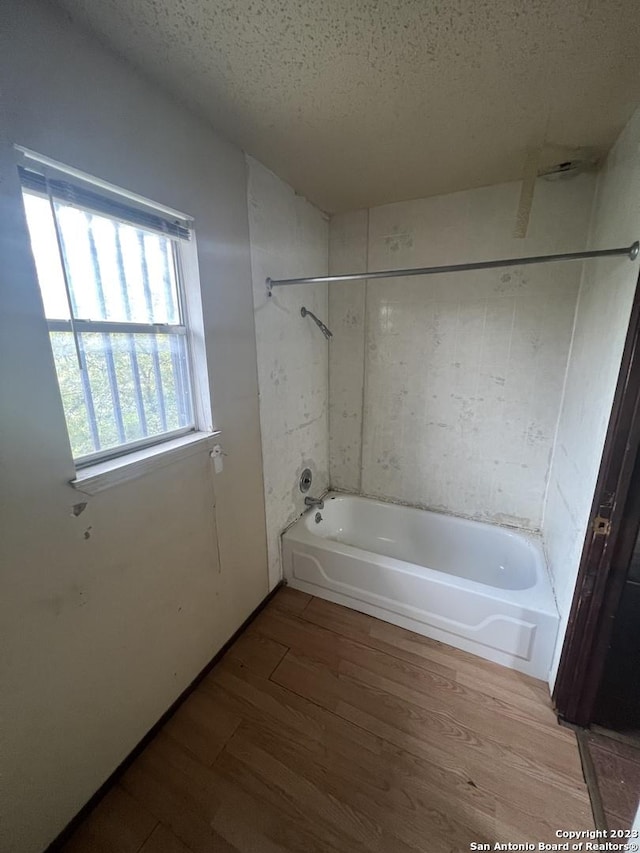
pixel 304 312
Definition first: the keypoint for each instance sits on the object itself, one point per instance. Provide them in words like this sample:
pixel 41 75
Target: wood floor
pixel 615 760
pixel 326 730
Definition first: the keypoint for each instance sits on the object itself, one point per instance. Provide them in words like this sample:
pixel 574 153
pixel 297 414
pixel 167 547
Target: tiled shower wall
pixel 445 391
pixel 289 237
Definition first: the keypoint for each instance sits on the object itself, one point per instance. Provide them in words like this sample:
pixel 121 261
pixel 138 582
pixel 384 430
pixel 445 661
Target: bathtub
pixel 481 588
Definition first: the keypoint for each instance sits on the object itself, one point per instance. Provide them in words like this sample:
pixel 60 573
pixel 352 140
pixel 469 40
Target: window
pixel 110 276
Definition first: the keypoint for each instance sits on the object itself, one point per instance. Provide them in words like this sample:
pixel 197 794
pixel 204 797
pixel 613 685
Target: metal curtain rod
pixel 630 251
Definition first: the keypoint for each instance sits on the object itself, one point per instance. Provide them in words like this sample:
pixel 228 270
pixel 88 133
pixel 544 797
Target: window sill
pixel 97 478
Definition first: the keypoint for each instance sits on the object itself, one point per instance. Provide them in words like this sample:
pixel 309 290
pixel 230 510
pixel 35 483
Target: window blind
pixel 78 196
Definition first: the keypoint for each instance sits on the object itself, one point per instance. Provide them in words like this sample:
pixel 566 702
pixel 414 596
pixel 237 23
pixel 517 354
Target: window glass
pixel 124 382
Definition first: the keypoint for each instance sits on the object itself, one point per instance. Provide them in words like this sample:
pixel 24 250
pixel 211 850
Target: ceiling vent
pixel 568 169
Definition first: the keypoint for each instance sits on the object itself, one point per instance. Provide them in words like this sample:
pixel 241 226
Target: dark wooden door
pixel 607 554
pixel 617 704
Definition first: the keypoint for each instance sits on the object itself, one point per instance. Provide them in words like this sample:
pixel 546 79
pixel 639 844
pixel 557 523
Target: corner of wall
pixel 348 253
pixel 289 237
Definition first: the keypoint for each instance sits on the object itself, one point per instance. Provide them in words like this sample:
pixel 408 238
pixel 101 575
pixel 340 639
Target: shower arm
pixel 304 312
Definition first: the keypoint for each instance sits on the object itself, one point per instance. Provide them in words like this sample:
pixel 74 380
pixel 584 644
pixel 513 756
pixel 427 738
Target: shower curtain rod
pixel 630 251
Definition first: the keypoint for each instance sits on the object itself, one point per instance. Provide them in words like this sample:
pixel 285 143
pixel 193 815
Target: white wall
pixel 602 317
pixel 462 374
pixel 289 237
pixel 100 634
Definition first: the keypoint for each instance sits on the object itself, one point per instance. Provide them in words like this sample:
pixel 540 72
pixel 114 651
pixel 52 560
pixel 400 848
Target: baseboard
pixel 90 805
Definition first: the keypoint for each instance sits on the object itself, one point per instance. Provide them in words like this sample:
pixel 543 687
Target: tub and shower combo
pixel 482 588
pixel 478 587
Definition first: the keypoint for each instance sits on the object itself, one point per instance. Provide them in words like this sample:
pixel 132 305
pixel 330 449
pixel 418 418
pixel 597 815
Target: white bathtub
pixel 480 588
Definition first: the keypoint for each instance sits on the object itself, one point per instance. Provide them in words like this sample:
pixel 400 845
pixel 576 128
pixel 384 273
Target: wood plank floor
pixel 326 730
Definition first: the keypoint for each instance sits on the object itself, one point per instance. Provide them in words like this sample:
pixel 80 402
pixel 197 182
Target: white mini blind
pixel 76 195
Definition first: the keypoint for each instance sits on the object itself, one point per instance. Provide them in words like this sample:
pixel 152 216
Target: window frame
pixel 188 296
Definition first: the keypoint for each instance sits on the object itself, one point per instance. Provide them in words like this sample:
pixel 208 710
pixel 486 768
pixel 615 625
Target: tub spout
pixel 317 502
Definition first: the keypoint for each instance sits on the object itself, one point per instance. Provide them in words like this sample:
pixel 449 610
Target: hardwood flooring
pixel 323 729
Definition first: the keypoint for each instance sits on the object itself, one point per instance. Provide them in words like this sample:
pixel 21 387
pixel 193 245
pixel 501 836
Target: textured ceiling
pixel 361 102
